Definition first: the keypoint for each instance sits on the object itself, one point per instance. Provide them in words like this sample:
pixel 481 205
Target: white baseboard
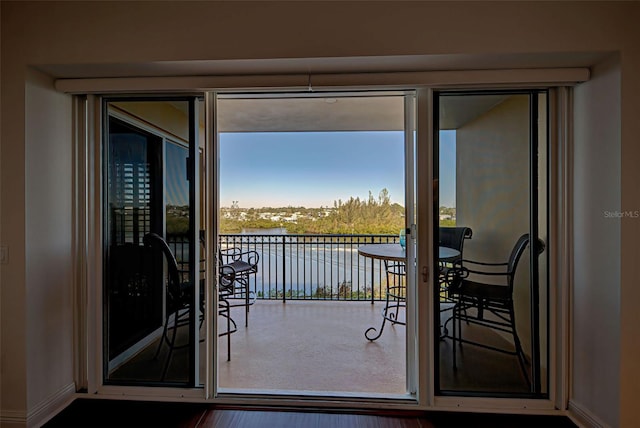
pixel 583 417
pixel 51 406
pixel 12 419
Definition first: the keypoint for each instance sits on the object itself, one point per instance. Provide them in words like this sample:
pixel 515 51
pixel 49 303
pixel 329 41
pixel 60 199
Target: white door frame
pixel 88 190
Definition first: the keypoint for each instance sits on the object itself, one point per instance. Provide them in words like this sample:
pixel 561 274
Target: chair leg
pixel 518 346
pixel 460 310
pixel 163 337
pixel 224 310
pixel 228 312
pixel 245 294
pixel 246 303
pixel 453 342
pixel 171 344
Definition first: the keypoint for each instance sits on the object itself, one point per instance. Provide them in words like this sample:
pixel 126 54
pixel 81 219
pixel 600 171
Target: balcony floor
pixel 314 346
pixel 317 347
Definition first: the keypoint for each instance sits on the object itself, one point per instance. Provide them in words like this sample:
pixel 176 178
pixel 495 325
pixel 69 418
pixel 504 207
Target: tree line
pixel 353 216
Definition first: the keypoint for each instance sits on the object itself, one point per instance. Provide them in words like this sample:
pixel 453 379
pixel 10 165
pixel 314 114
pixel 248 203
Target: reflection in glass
pixel 147 194
pixel 488 155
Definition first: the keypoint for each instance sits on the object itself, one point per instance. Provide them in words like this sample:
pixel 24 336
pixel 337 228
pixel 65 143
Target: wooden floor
pixel 89 413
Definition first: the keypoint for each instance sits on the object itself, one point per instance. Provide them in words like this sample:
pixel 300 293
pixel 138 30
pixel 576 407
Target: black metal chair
pixel 476 299
pixel 226 281
pixel 179 298
pixel 451 237
pixel 245 264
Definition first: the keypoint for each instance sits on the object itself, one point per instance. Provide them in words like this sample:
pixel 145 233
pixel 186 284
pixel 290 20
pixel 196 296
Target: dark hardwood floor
pixel 90 413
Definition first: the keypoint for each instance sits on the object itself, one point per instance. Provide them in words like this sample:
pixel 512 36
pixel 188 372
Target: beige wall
pixel 596 243
pixel 48 237
pixel 167 117
pixel 117 32
pixel 162 116
pixel 492 193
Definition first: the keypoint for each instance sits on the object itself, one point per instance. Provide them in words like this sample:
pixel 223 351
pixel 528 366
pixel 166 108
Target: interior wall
pixel 13 301
pixel 629 87
pixel 597 208
pixel 49 276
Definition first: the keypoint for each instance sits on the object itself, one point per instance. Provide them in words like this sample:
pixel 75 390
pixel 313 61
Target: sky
pixel 314 169
pixel 448 168
pixel 177 186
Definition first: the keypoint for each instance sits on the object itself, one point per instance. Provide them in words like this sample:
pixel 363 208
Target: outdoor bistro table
pixel 394 252
pixel 394 258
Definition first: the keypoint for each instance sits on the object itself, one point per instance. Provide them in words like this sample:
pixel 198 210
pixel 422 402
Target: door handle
pixel 425 273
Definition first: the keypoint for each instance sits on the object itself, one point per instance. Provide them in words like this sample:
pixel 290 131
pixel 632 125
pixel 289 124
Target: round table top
pixel 383 252
pixel 395 252
pixel 447 253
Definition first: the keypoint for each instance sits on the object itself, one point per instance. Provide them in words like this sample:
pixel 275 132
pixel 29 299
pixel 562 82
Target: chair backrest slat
pixel 157 242
pixel 516 254
pixel 453 237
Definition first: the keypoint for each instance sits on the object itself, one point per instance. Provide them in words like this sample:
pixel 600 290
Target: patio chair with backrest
pixel 245 264
pixel 451 237
pixel 485 303
pixel 179 298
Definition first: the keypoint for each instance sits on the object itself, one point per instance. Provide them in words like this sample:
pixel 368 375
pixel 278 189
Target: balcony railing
pixel 307 267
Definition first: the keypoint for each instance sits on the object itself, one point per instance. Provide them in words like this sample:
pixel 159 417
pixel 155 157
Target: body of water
pixel 257 231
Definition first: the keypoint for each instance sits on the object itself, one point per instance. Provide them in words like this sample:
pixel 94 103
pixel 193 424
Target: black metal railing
pixel 307 267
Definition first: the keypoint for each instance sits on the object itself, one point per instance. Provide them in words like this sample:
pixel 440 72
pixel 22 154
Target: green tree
pixel 353 216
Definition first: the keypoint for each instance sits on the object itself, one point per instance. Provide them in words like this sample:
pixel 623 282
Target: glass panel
pixel 488 335
pixel 148 291
pixel 305 183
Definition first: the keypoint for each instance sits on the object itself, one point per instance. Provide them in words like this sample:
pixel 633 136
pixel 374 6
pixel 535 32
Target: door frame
pixel 99 151
pixel 411 340
pixel 87 189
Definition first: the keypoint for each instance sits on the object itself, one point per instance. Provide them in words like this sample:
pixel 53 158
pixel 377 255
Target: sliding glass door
pixel 305 181
pixel 490 239
pixel 151 242
pixel 490 205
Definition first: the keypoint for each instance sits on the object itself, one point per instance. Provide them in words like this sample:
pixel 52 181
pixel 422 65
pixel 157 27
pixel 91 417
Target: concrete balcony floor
pixel 319 347
pixel 313 346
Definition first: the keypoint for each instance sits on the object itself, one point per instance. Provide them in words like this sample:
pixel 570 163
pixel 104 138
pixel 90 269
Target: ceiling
pixel 329 113
pixel 345 112
pixel 341 113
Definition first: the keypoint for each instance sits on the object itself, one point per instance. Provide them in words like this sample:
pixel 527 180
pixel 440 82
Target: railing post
pixel 284 270
pixel 373 288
